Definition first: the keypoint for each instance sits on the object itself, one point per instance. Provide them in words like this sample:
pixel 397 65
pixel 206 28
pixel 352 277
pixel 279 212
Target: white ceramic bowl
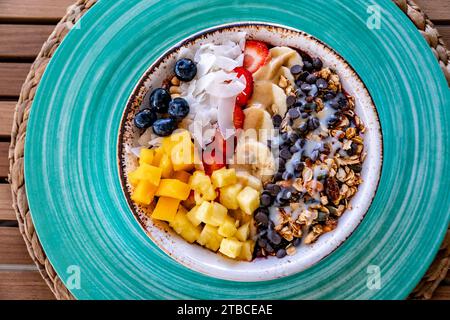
pixel 215 265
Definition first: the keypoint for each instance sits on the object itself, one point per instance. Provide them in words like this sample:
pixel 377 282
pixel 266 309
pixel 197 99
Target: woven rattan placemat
pixel 424 290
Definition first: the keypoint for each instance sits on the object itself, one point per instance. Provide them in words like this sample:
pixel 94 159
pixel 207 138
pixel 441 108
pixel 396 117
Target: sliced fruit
pixel 144 192
pixel 228 196
pixel 184 227
pixel 150 173
pixel 247 179
pixel 228 228
pixel 216 154
pixel 214 215
pixel 189 203
pixel 159 152
pixel 146 156
pixel 248 200
pixel 166 166
pixel 238 117
pixel 204 209
pixel 182 157
pixel 256 54
pixel 244 96
pixel 223 177
pixel 269 97
pixel 173 188
pixel 192 216
pixel 133 178
pixel 200 181
pixel 247 250
pixel 259 120
pixel 166 209
pixel 210 237
pixel 183 176
pixel 243 232
pixel 231 248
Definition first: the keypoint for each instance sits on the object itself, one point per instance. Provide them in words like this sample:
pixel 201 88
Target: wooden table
pixel 24 26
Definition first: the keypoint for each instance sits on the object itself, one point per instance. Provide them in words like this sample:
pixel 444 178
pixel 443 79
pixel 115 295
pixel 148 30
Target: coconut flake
pixel 225 116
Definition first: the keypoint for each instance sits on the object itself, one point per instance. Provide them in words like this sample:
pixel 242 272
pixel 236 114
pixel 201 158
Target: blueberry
pixel 296 69
pixel 304 115
pixel 341 100
pixel 144 119
pixel 164 127
pixel 178 108
pixel 281 253
pixel 293 137
pixel 317 63
pixel 159 100
pixel 293 149
pixel 266 200
pixel 185 69
pixel 281 164
pixel 333 120
pixel 303 127
pixel 311 79
pixel 277 119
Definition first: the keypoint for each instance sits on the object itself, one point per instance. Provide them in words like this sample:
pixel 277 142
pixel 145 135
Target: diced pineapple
pixel 180 136
pixel 247 179
pixel 214 216
pixel 228 196
pixel 247 250
pixel 240 216
pixel 192 216
pixel 182 156
pixel 150 173
pixel 159 152
pixel 231 248
pixel 203 210
pixel 223 177
pixel 146 156
pixel 209 194
pixel 189 203
pixel 248 200
pixel 228 228
pixel 184 227
pixel 166 166
pixel 210 238
pixel 133 178
pixel 144 192
pixel 198 198
pixel 173 188
pixel 183 176
pixel 243 232
pixel 200 182
pixel 166 209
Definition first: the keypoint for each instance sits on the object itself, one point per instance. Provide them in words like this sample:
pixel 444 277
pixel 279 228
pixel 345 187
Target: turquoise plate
pixel 79 209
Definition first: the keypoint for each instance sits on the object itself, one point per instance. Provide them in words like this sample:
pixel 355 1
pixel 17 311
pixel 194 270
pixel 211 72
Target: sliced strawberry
pixel 215 155
pixel 246 94
pixel 238 117
pixel 256 54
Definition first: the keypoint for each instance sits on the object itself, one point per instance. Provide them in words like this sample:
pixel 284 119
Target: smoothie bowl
pixel 250 151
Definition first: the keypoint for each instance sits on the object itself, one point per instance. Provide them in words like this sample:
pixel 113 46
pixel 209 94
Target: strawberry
pixel 256 54
pixel 245 95
pixel 238 117
pixel 215 155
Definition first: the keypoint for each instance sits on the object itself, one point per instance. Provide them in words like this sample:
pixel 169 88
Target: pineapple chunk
pixel 192 216
pixel 248 200
pixel 173 188
pixel 247 179
pixel 214 216
pixel 159 152
pixel 182 156
pixel 146 156
pixel 198 198
pixel 133 178
pixel 243 232
pixel 184 227
pixel 223 177
pixel 147 172
pixel 228 196
pixel 210 238
pixel 203 210
pixel 144 192
pixel 210 194
pixel 166 166
pixel 166 209
pixel 247 250
pixel 189 203
pixel 200 182
pixel 231 248
pixel 240 216
pixel 183 176
pixel 228 228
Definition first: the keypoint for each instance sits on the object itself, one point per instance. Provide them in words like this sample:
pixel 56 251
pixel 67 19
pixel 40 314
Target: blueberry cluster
pixel 164 112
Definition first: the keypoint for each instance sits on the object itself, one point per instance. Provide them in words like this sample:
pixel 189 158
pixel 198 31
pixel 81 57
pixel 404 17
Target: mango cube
pixel 133 178
pixel 166 209
pixel 184 227
pixel 228 228
pixel 215 215
pixel 210 238
pixel 183 176
pixel 223 177
pixel 247 250
pixel 192 216
pixel 166 166
pixel 173 188
pixel 248 200
pixel 144 192
pixel 182 156
pixel 158 154
pixel 231 248
pixel 147 172
pixel 146 156
pixel 243 232
pixel 228 196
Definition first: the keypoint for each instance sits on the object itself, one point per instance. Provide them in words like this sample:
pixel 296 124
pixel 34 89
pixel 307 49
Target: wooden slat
pixel 12 247
pixel 444 31
pixel 438 10
pixel 6 117
pixel 12 76
pixel 23 285
pixel 33 10
pixel 6 210
pixel 4 162
pixel 22 41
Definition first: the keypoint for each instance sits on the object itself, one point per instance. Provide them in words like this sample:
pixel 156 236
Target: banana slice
pixel 247 179
pixel 267 94
pixel 259 122
pixel 255 158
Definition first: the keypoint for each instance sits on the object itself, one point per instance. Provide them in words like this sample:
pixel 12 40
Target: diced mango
pixel 192 216
pixel 150 173
pixel 243 232
pixel 133 178
pixel 247 250
pixel 182 156
pixel 183 176
pixel 166 209
pixel 184 227
pixel 215 216
pixel 166 167
pixel 231 248
pixel 228 196
pixel 248 200
pixel 159 152
pixel 144 192
pixel 223 177
pixel 180 136
pixel 173 188
pixel 210 238
pixel 146 156
pixel 228 228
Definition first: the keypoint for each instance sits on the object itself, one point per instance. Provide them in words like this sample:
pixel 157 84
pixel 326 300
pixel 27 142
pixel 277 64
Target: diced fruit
pixel 256 54
pixel 248 200
pixel 228 196
pixel 214 214
pixel 210 238
pixel 245 95
pixel 216 154
pixel 238 117
pixel 144 192
pixel 189 203
pixel 146 156
pixel 133 178
pixel 243 232
pixel 183 157
pixel 166 166
pixel 231 248
pixel 210 194
pixel 247 179
pixel 204 209
pixel 183 176
pixel 247 250
pixel 240 216
pixel 192 216
pixel 198 198
pixel 228 228
pixel 223 177
pixel 179 136
pixel 173 188
pixel 200 181
pixel 166 209
pixel 149 173
pixel 184 227
pixel 159 152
